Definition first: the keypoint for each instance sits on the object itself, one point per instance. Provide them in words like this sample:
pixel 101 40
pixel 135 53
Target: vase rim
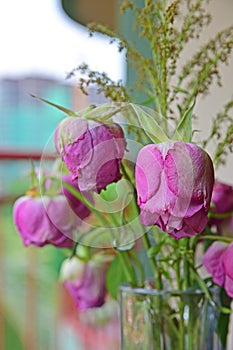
pixel 153 291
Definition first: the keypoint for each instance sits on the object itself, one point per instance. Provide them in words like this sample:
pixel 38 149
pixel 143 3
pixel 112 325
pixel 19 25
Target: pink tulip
pixel 218 261
pixel 222 199
pixel 85 282
pixel 92 151
pixel 174 183
pixel 45 220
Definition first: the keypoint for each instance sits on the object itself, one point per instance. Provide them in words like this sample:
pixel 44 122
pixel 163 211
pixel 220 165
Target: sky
pixel 37 37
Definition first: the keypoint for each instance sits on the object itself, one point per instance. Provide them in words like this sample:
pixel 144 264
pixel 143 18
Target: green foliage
pixel 115 91
pixel 171 86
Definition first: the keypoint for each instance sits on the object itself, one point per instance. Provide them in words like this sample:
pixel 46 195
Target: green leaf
pixel 183 131
pixel 154 250
pixel 104 113
pixel 133 115
pixel 67 111
pixel 115 277
pixel 149 124
pixel 147 102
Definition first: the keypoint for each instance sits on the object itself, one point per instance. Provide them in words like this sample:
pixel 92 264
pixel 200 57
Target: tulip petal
pixel 174 182
pixel 148 172
pixel 228 286
pixel 92 152
pixel 228 261
pixel 213 261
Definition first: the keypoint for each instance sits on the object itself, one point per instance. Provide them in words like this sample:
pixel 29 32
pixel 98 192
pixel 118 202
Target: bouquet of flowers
pixel 132 196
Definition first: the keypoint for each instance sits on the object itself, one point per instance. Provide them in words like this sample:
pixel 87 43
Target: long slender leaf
pixel 67 111
pixel 183 131
pixel 150 126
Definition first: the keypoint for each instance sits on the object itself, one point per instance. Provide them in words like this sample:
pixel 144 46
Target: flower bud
pixel 218 261
pixel 92 151
pixel 45 220
pixel 174 183
pixel 222 200
pixel 85 282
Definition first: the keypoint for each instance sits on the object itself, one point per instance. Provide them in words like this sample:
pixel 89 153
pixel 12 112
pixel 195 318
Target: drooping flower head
pixel 45 220
pixel 174 183
pixel 222 200
pixel 218 261
pixel 92 151
pixel 85 281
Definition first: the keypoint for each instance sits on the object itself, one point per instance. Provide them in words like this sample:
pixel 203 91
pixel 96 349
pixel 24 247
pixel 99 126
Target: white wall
pixel 222 13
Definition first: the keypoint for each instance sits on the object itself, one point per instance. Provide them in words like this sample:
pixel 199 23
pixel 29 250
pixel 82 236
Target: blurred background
pixel 41 42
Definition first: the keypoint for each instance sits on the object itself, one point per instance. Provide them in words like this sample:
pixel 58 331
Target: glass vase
pixel 162 320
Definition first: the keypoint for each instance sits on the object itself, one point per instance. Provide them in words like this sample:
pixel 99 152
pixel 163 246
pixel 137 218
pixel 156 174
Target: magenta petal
pixel 89 290
pixel 29 217
pixel 78 154
pixel 213 261
pixel 228 261
pixel 228 285
pixel 33 220
pixel 77 206
pixel 222 198
pixel 61 216
pixel 190 177
pixel 196 223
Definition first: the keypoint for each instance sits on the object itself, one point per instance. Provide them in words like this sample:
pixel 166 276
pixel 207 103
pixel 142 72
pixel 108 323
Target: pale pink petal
pixel 149 167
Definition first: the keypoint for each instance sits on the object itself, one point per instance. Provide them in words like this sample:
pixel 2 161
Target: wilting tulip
pixel 45 220
pixel 174 183
pixel 91 151
pixel 77 206
pixel 218 261
pixel 85 282
pixel 222 199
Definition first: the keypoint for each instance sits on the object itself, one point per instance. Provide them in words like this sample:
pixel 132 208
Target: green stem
pixel 139 266
pixel 220 215
pixel 128 267
pixel 88 204
pixel 155 269
pixel 186 266
pixel 164 72
pixel 217 238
